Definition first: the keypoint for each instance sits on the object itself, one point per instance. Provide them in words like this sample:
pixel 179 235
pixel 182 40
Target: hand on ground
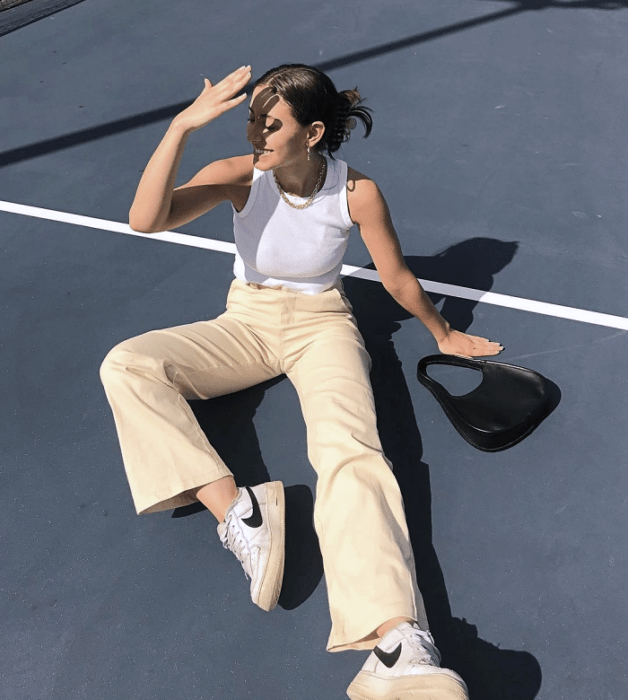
pixel 463 345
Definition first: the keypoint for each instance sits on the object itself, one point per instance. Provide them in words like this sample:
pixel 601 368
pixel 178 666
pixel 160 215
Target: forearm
pixel 151 206
pixel 411 295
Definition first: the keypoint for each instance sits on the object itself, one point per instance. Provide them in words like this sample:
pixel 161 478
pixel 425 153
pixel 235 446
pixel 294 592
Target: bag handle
pixel 424 362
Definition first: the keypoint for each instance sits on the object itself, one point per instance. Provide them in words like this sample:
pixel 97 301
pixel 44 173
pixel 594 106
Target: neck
pixel 299 179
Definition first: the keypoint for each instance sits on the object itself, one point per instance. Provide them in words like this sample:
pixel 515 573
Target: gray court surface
pixel 500 144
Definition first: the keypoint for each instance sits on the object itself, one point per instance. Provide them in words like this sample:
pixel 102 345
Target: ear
pixel 315 133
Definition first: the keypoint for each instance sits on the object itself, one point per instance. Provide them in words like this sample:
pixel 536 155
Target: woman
pixel 286 313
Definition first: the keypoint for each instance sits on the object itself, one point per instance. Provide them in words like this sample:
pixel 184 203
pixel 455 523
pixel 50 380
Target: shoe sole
pixel 275 517
pixel 428 686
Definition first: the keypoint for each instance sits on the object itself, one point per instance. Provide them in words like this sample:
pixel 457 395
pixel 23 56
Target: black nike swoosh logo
pixel 388 658
pixel 255 519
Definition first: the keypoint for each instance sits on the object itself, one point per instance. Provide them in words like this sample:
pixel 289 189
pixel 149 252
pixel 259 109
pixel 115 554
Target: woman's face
pixel 278 139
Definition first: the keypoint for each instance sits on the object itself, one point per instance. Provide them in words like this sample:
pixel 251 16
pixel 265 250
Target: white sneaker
pixel 254 530
pixel 406 664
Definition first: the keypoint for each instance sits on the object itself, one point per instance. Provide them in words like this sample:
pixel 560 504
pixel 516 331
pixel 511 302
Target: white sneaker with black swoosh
pixel 254 530
pixel 404 665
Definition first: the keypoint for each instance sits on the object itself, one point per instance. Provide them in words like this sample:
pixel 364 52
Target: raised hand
pixel 215 100
pixel 463 345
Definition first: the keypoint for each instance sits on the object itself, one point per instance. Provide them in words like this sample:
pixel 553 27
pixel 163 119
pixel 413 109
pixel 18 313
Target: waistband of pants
pixel 255 285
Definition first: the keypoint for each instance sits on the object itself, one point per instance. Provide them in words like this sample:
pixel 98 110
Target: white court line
pixel 451 290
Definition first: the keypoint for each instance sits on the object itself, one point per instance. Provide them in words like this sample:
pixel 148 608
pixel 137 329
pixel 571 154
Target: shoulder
pixel 363 196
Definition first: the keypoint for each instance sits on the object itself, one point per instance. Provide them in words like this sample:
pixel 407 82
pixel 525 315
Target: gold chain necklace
pixel 317 187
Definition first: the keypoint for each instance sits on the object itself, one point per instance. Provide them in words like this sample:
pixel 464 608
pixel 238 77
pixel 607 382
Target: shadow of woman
pixel 490 673
pixel 228 423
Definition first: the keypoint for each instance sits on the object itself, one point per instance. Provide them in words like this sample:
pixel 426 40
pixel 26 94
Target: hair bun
pixel 348 110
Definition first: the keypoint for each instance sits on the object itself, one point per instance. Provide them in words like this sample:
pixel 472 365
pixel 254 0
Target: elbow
pixel 139 225
pixel 138 228
pixel 393 288
pixel 399 284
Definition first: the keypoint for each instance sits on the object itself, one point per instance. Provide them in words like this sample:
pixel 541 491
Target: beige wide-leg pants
pixel 314 340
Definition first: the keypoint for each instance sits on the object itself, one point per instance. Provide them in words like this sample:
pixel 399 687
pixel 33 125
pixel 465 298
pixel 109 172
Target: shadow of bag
pixel 506 407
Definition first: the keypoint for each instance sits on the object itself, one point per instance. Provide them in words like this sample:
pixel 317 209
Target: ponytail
pixel 349 110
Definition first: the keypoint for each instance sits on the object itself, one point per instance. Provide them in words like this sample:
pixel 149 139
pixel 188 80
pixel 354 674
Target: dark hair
pixel 313 97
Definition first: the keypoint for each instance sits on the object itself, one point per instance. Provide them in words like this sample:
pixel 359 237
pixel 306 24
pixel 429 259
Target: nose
pixel 254 132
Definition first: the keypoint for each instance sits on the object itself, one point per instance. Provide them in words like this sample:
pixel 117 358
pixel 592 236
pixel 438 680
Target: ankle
pixel 218 496
pixel 390 624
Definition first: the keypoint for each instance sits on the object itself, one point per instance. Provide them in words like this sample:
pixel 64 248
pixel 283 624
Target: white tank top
pixel 300 249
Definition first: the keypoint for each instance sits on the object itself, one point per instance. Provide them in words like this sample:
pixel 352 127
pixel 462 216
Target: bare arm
pixel 370 212
pixel 157 205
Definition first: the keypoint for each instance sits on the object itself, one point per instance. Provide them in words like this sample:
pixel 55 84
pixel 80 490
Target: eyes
pixel 269 126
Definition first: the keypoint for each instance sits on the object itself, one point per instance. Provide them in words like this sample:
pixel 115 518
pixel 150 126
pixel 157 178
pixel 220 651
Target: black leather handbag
pixel 506 407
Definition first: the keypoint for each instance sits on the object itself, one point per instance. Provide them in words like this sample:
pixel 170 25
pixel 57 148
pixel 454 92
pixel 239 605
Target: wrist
pixel 442 332
pixel 180 126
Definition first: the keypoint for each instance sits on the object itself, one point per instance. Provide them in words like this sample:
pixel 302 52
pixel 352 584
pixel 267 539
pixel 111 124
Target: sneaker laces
pixel 233 540
pixel 425 652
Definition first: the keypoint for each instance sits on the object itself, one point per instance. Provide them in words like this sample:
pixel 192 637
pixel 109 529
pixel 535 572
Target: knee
pixel 116 363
